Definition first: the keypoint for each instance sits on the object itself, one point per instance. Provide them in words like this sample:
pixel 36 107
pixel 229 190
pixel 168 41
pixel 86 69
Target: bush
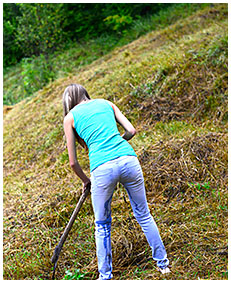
pixel 37 72
pixel 118 22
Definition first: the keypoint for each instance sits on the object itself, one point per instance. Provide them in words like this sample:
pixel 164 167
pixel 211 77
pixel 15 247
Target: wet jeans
pixel 127 171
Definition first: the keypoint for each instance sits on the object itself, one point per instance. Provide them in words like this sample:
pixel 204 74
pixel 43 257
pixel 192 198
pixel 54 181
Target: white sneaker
pixel 164 270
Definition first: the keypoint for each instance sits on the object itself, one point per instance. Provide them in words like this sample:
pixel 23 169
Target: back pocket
pixel 102 177
pixel 132 171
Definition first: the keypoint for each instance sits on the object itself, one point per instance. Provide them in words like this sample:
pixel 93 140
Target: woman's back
pixel 95 123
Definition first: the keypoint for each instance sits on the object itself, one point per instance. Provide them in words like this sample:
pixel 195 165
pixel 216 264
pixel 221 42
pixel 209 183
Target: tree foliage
pixel 41 28
pixel 11 51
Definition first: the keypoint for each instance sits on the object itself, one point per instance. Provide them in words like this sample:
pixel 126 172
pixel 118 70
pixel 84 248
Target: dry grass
pixel 172 85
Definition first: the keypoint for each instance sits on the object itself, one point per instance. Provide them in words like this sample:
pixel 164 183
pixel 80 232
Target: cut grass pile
pixel 172 85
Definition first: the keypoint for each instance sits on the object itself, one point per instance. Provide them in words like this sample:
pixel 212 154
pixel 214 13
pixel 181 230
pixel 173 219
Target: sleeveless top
pixel 95 123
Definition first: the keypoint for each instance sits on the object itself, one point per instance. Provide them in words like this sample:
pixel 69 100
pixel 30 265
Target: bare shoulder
pixel 112 105
pixel 109 102
pixel 68 119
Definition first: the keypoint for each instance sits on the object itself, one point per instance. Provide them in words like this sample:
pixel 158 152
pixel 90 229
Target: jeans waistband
pixel 116 160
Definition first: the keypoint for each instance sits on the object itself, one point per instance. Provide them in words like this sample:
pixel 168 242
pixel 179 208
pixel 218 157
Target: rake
pixel 58 248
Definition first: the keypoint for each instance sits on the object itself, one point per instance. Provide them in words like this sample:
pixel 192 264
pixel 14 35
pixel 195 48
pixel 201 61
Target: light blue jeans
pixel 127 171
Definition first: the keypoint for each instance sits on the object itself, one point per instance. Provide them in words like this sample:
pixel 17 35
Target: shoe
pixel 164 270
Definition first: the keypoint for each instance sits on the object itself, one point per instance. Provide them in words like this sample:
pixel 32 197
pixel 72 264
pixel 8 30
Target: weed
pixel 199 187
pixel 77 275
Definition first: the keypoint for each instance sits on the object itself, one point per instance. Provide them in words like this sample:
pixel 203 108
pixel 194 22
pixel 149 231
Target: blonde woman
pixel 112 159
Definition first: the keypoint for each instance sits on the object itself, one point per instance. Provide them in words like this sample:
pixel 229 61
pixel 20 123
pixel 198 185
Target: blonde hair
pixel 72 96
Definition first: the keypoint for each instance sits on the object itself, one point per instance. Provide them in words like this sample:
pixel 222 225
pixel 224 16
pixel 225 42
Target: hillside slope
pixel 172 85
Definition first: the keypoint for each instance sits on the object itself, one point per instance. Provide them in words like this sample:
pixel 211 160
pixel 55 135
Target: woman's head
pixel 72 96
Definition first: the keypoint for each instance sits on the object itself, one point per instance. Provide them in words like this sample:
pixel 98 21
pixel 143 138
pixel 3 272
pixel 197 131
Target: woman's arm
pixel 70 137
pixel 124 122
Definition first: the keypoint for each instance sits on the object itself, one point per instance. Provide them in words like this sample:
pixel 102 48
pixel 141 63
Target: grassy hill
pixel 172 85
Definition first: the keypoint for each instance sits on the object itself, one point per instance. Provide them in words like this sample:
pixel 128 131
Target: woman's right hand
pixel 87 186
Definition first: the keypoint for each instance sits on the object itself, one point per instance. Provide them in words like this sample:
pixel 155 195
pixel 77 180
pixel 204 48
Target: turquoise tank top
pixel 95 123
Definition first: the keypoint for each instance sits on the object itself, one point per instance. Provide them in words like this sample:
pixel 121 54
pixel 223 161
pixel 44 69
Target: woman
pixel 112 159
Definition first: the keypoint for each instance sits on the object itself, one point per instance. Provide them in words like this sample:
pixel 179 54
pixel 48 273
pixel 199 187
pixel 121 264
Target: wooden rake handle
pixel 58 248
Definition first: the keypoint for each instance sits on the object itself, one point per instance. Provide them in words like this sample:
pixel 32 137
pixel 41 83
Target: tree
pixel 40 28
pixel 11 51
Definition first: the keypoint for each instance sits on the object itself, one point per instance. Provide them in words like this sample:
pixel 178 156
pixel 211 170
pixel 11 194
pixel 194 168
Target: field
pixel 172 84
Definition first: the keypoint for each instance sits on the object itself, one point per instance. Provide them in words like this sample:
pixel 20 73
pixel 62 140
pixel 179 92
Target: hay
pixel 179 108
